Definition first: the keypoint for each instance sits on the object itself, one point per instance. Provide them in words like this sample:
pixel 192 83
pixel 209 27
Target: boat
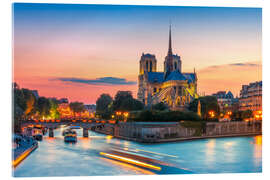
pixel 74 127
pixel 38 137
pixel 36 133
pixel 65 131
pixel 70 136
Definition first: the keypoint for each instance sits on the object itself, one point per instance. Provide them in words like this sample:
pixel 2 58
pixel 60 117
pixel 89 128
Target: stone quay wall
pixel 165 132
pixel 24 145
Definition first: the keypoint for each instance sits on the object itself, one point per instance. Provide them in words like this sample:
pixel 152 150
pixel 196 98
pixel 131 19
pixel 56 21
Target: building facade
pixel 251 97
pixel 172 86
pixel 226 101
pixel 91 108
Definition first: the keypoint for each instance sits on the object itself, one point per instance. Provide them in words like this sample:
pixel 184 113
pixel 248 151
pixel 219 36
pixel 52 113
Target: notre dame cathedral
pixel 173 87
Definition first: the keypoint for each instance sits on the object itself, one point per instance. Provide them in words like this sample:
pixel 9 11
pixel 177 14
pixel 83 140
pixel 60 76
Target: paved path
pixel 23 143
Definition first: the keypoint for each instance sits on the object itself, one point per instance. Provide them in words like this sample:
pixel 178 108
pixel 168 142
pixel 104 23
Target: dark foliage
pixel 165 116
pixel 208 103
pixel 103 108
pixel 124 101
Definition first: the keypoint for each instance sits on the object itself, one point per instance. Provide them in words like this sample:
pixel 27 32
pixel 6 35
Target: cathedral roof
pixel 190 77
pixel 148 55
pixel 158 77
pixel 155 77
pixel 175 75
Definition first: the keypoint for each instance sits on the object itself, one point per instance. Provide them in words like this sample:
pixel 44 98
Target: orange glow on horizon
pixel 210 80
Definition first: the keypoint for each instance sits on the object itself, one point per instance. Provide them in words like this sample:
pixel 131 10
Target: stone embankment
pixel 22 147
pixel 157 132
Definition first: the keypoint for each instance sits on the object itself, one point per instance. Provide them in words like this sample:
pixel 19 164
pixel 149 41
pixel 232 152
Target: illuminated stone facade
pixel 251 97
pixel 226 101
pixel 172 86
pixel 66 112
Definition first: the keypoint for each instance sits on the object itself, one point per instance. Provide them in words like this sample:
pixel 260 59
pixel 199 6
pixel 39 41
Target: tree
pixel 30 101
pixel 208 103
pixel 18 99
pixel 160 106
pixel 19 107
pixel 165 116
pixel 241 115
pixel 76 107
pixel 121 98
pixel 54 113
pixel 43 107
pixel 246 114
pixel 124 101
pixel 104 106
pixel 236 116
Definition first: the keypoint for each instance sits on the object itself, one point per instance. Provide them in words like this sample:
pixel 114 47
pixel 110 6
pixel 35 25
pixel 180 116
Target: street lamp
pixel 211 114
pixel 126 114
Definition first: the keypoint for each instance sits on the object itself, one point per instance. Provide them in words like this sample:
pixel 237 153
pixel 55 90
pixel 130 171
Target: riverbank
pixel 178 139
pixel 171 132
pixel 25 145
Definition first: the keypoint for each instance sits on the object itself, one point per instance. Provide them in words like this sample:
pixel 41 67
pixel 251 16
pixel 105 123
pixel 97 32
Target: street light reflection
pixel 131 161
pixel 129 166
pixel 108 138
pixel 258 140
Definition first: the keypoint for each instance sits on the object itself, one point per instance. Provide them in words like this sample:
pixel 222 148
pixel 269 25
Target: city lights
pixel 211 114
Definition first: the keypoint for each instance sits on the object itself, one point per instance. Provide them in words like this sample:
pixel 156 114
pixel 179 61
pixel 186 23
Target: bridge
pixel 53 124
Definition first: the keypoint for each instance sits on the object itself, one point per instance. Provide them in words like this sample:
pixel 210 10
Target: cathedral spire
pixel 170 42
pixel 169 57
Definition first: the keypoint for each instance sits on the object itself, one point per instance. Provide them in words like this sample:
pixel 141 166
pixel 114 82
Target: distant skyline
pixel 81 51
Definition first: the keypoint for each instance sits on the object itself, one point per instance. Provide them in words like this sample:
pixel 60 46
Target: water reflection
pixel 258 140
pixel 85 142
pixel 229 145
pixel 210 147
pixel 257 154
pixel 210 152
pixel 108 139
pixel 56 158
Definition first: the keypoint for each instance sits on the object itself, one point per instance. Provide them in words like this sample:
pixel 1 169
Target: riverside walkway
pixel 23 146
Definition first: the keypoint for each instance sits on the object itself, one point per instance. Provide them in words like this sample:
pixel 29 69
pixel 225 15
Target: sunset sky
pixel 81 51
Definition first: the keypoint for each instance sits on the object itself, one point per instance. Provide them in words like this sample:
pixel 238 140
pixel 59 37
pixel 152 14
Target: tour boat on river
pixel 36 133
pixel 74 127
pixel 70 136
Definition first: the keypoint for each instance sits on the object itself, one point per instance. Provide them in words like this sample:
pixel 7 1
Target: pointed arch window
pixel 150 66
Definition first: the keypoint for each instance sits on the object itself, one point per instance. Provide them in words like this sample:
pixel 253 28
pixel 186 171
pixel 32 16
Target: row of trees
pixel 27 105
pixel 241 115
pixel 123 101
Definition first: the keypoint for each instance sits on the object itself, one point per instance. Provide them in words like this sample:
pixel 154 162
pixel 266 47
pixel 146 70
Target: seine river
pixel 54 157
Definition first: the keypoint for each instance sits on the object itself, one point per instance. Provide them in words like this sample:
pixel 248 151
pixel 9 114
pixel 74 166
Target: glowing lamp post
pixel 126 114
pixel 211 114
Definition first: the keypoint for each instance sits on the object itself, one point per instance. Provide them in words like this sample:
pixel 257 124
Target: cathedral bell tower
pixel 148 63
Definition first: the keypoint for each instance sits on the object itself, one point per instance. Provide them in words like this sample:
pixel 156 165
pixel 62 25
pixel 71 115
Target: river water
pixel 54 157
